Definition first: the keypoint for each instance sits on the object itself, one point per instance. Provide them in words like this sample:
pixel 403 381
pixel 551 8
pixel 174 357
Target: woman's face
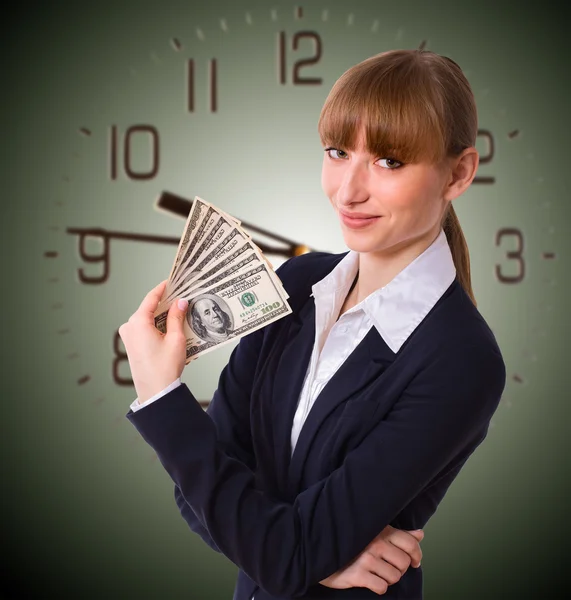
pixel 406 200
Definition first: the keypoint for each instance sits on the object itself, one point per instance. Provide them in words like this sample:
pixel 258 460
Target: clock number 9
pixel 297 79
pixel 514 254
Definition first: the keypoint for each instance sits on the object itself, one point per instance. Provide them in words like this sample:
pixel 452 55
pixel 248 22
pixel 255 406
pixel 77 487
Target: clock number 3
pixel 512 254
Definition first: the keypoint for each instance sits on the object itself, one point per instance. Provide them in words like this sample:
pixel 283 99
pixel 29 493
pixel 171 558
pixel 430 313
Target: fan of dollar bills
pixel 230 286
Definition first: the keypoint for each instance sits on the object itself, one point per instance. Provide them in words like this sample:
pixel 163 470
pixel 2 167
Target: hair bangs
pixel 396 108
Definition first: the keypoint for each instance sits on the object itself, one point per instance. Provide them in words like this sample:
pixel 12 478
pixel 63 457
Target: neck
pixel 377 269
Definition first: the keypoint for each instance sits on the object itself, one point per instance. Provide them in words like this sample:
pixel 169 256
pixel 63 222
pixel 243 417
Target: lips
pixel 357 215
pixel 357 222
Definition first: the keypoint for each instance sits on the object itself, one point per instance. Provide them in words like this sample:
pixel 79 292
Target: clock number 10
pixel 125 149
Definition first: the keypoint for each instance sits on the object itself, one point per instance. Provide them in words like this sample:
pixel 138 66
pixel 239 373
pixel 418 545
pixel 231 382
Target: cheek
pixel 328 184
pixel 405 196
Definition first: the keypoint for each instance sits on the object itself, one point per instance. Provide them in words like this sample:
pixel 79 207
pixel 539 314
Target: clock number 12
pixel 303 62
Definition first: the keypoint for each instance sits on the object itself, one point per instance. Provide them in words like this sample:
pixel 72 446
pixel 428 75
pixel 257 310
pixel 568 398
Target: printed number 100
pixel 271 307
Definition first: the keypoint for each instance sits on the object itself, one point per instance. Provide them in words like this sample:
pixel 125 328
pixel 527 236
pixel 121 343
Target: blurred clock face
pixel 226 106
pixel 140 108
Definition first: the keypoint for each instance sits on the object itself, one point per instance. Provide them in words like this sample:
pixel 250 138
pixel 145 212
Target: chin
pixel 360 243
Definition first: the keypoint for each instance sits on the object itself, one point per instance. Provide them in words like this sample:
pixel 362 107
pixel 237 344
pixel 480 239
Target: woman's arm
pixel 229 410
pixel 286 548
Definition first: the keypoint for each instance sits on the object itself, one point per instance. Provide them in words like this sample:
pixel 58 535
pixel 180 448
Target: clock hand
pixel 104 257
pixel 180 207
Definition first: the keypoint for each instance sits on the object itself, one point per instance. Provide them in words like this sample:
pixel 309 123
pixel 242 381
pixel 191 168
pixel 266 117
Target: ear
pixel 463 169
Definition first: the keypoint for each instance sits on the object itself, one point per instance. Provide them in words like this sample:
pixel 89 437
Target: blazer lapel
pixel 289 378
pixel 369 359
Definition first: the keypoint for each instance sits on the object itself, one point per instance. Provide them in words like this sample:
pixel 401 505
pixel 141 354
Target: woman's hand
pixel 382 563
pixel 156 359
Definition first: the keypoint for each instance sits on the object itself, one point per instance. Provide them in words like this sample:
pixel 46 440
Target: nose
pixel 354 185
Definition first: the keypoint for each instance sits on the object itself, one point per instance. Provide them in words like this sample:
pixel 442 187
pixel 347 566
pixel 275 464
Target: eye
pixel 391 162
pixel 342 153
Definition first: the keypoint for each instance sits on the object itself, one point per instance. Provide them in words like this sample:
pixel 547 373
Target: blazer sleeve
pixel 285 547
pixel 229 410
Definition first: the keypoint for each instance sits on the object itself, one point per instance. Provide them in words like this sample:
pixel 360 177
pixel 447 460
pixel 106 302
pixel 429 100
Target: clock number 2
pixel 297 79
pixel 512 254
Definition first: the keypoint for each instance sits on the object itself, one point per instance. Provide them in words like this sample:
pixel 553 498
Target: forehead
pixel 204 303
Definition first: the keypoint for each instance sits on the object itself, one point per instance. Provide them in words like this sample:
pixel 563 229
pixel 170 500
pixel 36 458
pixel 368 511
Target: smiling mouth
pixel 357 223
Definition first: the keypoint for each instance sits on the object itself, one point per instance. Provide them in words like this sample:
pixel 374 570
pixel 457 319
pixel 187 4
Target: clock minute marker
pixel 83 380
pixel 298 12
pixel 84 131
pixel 224 25
pixel 375 26
pixel 175 43
pixel 51 254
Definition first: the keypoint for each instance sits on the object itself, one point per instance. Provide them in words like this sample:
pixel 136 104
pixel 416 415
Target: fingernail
pixel 182 304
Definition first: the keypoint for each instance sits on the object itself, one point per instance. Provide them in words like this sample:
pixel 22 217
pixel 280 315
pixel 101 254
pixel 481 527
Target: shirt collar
pixel 399 307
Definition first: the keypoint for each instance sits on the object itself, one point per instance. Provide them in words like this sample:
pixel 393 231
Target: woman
pixel 344 423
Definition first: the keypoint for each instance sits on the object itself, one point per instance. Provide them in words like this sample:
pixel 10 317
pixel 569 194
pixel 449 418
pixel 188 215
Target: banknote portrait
pixel 210 318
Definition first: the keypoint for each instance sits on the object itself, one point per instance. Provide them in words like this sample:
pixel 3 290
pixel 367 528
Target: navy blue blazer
pixel 381 445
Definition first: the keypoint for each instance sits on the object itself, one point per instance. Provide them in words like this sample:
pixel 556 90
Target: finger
pixel 374 583
pixel 407 544
pixel 176 317
pixel 391 554
pixel 151 301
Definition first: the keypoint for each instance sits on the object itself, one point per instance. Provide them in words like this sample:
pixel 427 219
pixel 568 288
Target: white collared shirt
pixel 395 310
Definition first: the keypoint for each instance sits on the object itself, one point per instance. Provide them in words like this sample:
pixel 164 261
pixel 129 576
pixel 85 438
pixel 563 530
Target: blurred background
pixel 114 116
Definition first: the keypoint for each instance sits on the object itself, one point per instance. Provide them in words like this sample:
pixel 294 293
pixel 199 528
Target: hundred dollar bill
pixel 195 216
pixel 214 234
pixel 207 269
pixel 228 310
pixel 209 216
pixel 222 269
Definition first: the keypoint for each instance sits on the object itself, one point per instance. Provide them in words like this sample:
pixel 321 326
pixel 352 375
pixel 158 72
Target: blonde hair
pixel 415 105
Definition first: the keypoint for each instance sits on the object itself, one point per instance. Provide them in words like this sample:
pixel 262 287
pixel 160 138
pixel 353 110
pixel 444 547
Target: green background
pixel 87 512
